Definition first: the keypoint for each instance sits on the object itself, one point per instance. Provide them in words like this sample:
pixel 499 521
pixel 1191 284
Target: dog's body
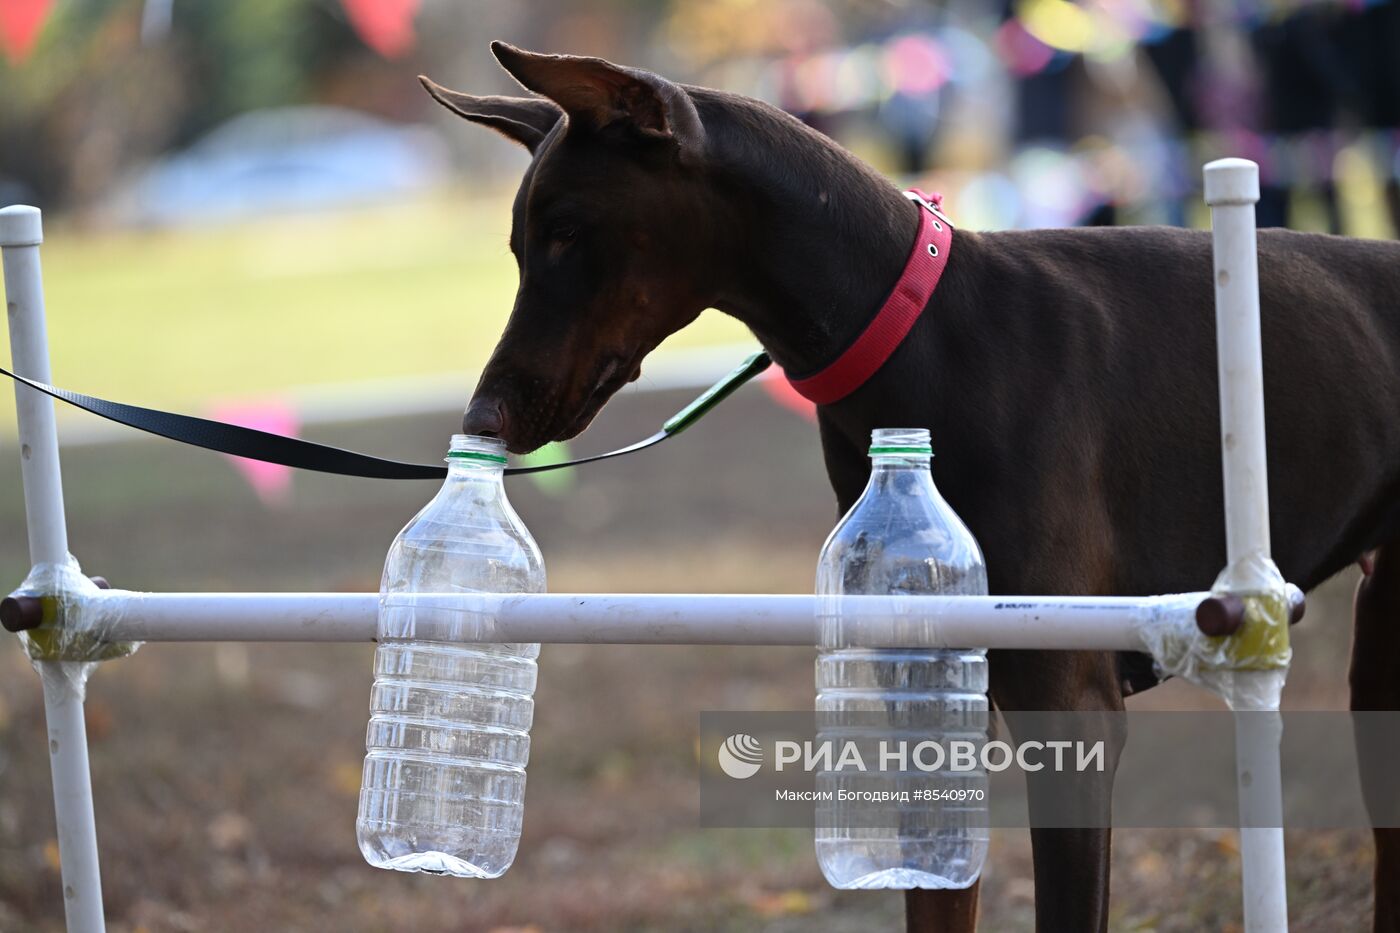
pixel 1068 376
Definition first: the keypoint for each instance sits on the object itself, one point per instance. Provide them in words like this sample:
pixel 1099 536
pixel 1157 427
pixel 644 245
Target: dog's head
pixel 605 231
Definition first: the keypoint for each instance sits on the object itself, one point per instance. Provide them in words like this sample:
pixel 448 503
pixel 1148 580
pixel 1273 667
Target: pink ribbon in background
pixel 20 24
pixel 384 25
pixel 271 481
pixel 782 392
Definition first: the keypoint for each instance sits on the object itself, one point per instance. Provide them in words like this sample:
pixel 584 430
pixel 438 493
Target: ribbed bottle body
pixel 448 739
pixel 901 538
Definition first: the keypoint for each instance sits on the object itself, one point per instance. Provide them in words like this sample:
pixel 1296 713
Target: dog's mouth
pixel 614 374
pixel 538 410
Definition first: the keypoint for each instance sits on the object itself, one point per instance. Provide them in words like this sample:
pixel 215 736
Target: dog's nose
pixel 485 417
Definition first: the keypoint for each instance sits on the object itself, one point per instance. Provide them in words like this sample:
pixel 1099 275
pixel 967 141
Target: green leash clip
pixel 717 393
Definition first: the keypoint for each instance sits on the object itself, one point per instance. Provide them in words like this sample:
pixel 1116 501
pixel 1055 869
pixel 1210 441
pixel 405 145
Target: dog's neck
pixel 813 239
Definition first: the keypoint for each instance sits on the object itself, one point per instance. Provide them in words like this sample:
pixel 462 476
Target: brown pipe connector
pixel 1220 615
pixel 1223 615
pixel 19 613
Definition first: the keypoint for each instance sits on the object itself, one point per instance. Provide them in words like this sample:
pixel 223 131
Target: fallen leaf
pixel 229 831
pixel 345 778
pixel 51 855
pixel 782 904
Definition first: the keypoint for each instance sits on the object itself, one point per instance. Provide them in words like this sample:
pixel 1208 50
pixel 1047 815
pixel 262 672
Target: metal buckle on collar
pixel 931 207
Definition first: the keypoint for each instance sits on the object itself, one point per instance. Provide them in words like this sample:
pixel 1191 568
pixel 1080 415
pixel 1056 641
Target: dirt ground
pixel 226 776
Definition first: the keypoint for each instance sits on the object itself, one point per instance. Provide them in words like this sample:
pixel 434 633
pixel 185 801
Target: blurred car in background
pixel 281 160
pixel 15 191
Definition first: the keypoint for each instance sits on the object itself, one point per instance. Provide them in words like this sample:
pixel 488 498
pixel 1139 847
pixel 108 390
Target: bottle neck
pixel 900 449
pixel 476 463
pixel 901 475
pixel 884 463
pixel 479 458
pixel 475 470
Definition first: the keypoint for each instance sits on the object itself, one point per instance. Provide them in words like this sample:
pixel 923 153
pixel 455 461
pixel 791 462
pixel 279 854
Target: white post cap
pixel 21 225
pixel 1232 181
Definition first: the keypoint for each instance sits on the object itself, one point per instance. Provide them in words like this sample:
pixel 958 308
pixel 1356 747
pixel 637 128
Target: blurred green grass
pixel 181 317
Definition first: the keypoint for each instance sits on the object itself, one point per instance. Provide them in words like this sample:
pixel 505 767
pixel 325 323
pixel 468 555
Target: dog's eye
pixel 564 234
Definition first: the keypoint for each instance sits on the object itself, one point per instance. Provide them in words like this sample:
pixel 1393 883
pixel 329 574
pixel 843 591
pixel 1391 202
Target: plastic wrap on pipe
pixel 1246 669
pixel 73 633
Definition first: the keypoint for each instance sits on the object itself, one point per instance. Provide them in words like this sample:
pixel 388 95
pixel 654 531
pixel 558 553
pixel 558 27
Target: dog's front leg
pixel 1071 864
pixel 1375 685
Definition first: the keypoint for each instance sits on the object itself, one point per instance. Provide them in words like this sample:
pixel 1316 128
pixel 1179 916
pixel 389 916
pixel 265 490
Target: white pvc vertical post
pixel 1231 190
pixel 21 232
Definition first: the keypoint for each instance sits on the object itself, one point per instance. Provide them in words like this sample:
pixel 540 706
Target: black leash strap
pixel 305 455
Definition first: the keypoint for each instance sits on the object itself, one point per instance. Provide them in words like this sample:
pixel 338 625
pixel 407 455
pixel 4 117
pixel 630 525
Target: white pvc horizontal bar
pixel 1076 623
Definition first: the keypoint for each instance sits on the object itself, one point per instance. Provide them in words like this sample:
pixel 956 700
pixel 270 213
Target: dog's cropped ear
pixel 527 120
pixel 597 93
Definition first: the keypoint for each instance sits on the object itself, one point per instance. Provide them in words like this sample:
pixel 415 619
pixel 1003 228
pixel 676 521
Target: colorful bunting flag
pixel 21 21
pixel 271 481
pixel 782 392
pixel 385 25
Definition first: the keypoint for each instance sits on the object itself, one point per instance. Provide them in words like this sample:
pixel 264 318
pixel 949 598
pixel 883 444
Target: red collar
pixel 863 358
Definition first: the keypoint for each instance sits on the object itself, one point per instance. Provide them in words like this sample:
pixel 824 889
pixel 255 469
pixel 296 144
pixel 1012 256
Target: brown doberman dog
pixel 1068 376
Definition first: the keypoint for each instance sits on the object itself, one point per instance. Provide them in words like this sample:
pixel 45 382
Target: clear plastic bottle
pixel 901 537
pixel 444 779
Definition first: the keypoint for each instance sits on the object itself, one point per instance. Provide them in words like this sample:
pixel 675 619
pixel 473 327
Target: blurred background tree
pixel 96 99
